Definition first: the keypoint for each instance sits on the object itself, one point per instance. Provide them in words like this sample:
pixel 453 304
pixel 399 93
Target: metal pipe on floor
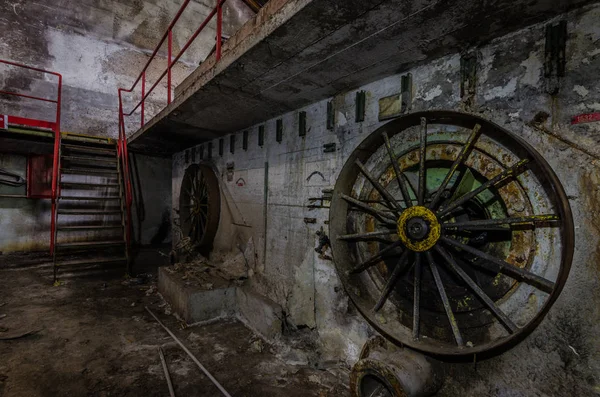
pixel 166 370
pixel 185 349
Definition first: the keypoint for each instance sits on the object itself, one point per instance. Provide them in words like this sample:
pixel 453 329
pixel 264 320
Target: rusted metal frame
pixel 422 154
pixel 417 296
pixel 123 154
pixel 166 371
pixel 376 258
pixel 162 40
pixel 399 175
pixel 440 286
pixel 510 326
pixel 384 193
pixel 122 205
pixel 56 166
pixel 399 270
pixel 470 225
pixel 466 150
pixel 190 354
pixel 513 171
pixel 382 215
pixel 170 62
pixel 368 235
pixel 501 266
pixel 28 96
pixel 219 37
pixel 24 121
pixel 183 49
pixel 20 65
pixel 143 110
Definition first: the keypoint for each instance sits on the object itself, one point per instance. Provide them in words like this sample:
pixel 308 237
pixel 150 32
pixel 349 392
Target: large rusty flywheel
pixel 200 206
pixel 450 234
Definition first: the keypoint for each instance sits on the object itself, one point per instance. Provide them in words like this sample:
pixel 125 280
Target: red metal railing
pixel 54 126
pixel 168 36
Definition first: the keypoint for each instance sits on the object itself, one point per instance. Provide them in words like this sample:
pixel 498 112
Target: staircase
pixel 90 218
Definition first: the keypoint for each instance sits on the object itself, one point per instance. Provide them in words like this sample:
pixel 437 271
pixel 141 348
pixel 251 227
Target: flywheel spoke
pixel 399 175
pixel 445 301
pixel 494 264
pixel 393 205
pixel 474 225
pixel 376 258
pixel 367 208
pixel 399 270
pixel 422 153
pixel 367 236
pixel 417 297
pixel 513 171
pixel 464 153
pixel 502 317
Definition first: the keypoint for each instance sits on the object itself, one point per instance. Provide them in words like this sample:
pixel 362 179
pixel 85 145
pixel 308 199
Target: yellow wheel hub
pixel 418 228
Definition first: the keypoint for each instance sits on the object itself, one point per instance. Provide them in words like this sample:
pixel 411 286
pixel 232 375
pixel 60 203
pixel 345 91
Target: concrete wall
pixel 24 223
pixel 98 47
pixel 561 356
pixel 151 177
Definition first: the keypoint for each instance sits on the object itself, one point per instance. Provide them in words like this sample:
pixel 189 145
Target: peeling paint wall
pixel 562 356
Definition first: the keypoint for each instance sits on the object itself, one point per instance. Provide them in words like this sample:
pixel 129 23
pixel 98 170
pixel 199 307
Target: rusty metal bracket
pixel 329 147
pixel 261 135
pixel 279 131
pixel 230 170
pixel 360 105
pixel 302 124
pixel 325 199
pixel 330 116
pixel 406 92
pixel 554 60
pixel 468 78
pixel 245 140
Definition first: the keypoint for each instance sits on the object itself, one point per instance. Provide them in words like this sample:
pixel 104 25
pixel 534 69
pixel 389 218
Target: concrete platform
pixel 195 303
pixel 294 53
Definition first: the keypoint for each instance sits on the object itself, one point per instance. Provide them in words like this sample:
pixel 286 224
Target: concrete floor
pixel 96 339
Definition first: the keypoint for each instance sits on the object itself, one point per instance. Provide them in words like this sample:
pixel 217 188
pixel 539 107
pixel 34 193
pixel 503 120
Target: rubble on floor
pixel 96 339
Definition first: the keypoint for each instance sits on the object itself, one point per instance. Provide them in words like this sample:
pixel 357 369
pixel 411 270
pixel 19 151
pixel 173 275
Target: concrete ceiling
pixel 298 52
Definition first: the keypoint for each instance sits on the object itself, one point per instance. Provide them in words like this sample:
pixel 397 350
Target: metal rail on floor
pixel 54 126
pixel 141 81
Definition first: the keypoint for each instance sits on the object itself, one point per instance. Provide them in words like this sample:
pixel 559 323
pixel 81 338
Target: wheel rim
pixel 454 257
pixel 199 206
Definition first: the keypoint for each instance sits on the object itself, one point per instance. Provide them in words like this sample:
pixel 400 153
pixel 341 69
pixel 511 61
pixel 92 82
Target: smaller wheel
pixel 200 206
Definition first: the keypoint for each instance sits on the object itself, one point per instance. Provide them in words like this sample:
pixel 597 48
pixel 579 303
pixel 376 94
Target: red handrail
pixel 122 142
pixel 54 126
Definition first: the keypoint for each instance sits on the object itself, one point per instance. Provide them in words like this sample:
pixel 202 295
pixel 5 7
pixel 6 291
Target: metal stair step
pixel 89 244
pixel 88 212
pixel 90 198
pixel 82 158
pixel 90 149
pixel 89 185
pixel 90 261
pixel 90 227
pixel 87 171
